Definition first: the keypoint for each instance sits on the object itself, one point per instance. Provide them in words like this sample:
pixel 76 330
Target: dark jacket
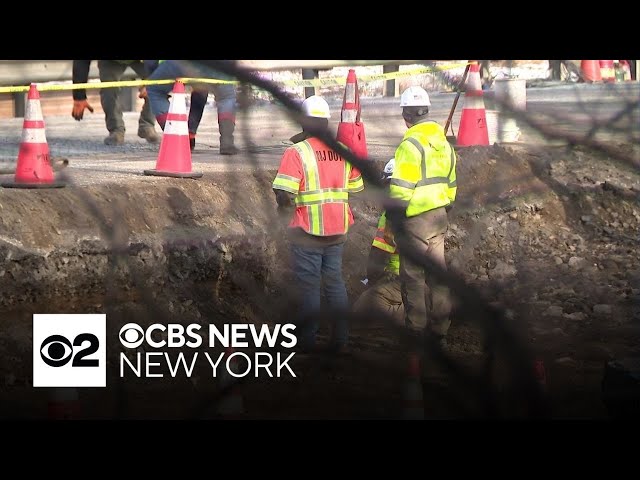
pixel 80 74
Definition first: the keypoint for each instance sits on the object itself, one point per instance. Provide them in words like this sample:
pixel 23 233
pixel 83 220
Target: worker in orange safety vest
pixel 312 185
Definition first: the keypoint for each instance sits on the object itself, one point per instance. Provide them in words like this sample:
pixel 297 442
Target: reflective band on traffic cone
pixel 473 122
pixel 33 167
pixel 174 158
pixel 351 129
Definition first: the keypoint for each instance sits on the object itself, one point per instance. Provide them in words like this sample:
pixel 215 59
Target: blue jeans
pixel 224 93
pixel 312 266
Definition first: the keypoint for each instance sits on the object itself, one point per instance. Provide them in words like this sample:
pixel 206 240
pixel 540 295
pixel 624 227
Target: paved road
pixel 566 108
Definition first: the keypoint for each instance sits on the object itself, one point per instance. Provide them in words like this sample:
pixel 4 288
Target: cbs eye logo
pixel 69 350
pixel 131 335
pixel 57 350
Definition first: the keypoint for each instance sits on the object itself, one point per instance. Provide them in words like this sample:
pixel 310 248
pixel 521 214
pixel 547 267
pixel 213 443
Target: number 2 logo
pixel 56 350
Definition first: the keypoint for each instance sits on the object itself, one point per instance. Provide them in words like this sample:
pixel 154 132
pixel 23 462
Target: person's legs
pixel 439 294
pixel 159 94
pixel 336 292
pixel 146 121
pixel 419 231
pixel 225 95
pixel 196 109
pixel 412 280
pixel 112 71
pixel 307 264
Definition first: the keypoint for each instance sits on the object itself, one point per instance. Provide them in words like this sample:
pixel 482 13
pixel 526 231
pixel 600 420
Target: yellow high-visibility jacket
pixel 424 177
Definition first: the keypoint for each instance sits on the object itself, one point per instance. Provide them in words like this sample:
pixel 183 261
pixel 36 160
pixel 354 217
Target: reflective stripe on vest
pixel 313 197
pixel 379 240
pixel 393 266
pixel 429 192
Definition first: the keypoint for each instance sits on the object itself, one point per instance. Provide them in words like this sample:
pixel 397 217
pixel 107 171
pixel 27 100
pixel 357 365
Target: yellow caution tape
pixel 323 82
pixel 317 82
pixel 96 85
pixel 83 86
pixel 206 80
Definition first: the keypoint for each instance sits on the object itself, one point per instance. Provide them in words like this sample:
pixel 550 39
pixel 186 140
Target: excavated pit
pixel 547 234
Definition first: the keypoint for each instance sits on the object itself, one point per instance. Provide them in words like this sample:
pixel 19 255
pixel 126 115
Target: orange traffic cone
pixel 350 128
pixel 174 158
pixel 473 122
pixel 412 395
pixel 591 71
pixel 607 71
pixel 231 405
pixel 33 168
pixel 64 404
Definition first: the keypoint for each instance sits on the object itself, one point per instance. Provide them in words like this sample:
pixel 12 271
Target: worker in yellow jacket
pixel 424 185
pixel 383 293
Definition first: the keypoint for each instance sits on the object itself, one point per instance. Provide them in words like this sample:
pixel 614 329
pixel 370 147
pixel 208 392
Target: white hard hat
pixel 415 97
pixel 316 106
pixel 388 169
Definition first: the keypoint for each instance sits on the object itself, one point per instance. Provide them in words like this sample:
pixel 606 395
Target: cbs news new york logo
pixel 69 350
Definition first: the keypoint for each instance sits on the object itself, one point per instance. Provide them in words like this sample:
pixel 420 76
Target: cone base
pixel 15 184
pixel 163 173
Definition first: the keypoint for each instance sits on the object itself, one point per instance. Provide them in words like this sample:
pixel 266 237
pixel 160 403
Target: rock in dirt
pixel 502 270
pixel 578 316
pixel 566 362
pixel 576 262
pixel 553 311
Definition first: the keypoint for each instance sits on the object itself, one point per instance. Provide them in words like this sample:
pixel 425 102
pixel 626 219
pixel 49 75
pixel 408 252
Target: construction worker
pixel 197 103
pixel 423 185
pixel 224 93
pixel 112 71
pixel 312 190
pixel 383 270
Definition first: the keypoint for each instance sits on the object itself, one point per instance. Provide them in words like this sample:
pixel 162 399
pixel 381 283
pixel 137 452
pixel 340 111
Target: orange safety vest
pixel 321 180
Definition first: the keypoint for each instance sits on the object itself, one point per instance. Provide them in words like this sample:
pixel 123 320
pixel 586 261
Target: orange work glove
pixel 78 109
pixel 142 92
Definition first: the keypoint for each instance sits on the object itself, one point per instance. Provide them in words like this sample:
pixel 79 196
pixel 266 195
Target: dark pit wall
pixel 557 255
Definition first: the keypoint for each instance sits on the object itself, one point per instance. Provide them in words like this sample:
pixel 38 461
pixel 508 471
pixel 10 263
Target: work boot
pixel 149 134
pixel 114 138
pixel 192 141
pixel 226 128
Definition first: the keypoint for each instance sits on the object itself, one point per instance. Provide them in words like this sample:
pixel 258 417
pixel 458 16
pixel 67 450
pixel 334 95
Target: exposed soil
pixel 548 235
